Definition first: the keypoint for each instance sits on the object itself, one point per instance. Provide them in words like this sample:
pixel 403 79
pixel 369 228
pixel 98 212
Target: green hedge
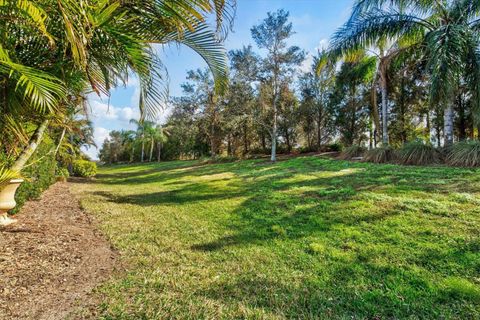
pixel 84 168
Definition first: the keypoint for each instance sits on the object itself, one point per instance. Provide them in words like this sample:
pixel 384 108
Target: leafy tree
pixel 350 99
pixel 51 51
pixel 447 32
pixel 272 34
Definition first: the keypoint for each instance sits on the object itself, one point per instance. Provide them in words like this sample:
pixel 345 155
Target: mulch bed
pixel 52 259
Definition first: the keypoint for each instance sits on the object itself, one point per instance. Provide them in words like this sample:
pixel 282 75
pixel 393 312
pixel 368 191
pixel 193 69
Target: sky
pixel 314 21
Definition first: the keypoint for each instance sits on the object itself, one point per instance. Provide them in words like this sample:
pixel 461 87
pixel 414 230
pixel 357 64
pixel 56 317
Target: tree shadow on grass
pixel 278 206
pixel 274 212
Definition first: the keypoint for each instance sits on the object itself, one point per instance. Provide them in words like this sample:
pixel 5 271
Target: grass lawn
pixel 306 238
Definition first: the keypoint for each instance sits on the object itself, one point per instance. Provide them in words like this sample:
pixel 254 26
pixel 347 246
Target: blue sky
pixel 314 21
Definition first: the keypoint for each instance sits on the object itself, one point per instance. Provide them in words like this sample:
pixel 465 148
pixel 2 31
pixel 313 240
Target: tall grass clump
pixel 418 153
pixel 380 155
pixel 352 152
pixel 464 154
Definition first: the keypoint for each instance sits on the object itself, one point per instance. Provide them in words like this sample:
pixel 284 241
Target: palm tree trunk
pixel 60 140
pixel 143 149
pixel 383 89
pixel 375 114
pixel 448 125
pixel 151 150
pixel 30 149
pixel 159 149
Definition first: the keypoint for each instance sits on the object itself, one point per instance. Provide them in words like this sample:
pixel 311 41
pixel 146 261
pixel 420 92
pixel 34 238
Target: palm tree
pixel 53 50
pixel 445 31
pixel 150 135
pixel 140 136
pixel 128 140
pixel 161 134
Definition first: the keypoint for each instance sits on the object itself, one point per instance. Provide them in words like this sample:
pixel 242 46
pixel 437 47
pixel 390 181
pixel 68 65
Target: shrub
pixel 84 168
pixel 380 155
pixel 352 152
pixel 39 173
pixel 418 153
pixel 464 154
pixel 335 147
pixel 62 174
pixel 307 149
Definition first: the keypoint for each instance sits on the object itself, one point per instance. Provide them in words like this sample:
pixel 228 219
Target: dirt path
pixel 52 259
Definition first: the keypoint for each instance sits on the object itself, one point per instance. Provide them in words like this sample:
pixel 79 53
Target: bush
pixel 380 155
pixel 39 173
pixel 464 154
pixel 307 149
pixel 62 174
pixel 335 147
pixel 84 168
pixel 353 152
pixel 418 153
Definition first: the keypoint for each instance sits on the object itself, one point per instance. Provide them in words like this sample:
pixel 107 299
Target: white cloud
pixel 306 65
pixel 323 45
pixel 99 135
pixel 127 113
pixel 100 110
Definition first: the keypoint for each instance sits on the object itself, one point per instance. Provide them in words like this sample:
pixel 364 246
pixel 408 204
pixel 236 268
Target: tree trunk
pixel 287 140
pixel 30 149
pixel 60 140
pixel 273 156
pixel 319 129
pixel 353 122
pixel 264 143
pixel 429 127
pixel 143 148
pixel 132 156
pixel 151 150
pixel 448 125
pixel 462 123
pixel 245 140
pixel 159 147
pixel 370 133
pixel 229 145
pixel 212 147
pixel 383 88
pixel 375 114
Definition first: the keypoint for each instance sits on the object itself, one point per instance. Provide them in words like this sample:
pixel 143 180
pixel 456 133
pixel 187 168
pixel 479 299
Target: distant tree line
pixel 396 72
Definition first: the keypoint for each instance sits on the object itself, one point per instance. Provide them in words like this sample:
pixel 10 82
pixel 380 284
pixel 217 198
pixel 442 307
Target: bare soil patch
pixel 52 259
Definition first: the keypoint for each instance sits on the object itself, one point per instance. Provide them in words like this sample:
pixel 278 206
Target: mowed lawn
pixel 305 238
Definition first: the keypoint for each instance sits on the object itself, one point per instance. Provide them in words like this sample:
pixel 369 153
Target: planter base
pixel 5 220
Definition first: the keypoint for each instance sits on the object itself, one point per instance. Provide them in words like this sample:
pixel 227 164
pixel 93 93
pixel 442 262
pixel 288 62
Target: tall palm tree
pixel 150 135
pixel 161 134
pixel 140 136
pixel 445 31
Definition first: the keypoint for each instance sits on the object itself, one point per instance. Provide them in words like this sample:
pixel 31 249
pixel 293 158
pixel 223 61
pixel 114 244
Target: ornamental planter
pixel 7 201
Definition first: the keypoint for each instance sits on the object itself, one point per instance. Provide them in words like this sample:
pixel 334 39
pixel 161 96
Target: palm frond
pixel 40 89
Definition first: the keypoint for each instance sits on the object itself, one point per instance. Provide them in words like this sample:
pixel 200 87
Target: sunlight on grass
pixel 304 238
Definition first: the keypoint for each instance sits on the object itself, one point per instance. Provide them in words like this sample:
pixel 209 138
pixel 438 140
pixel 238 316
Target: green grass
pixel 306 238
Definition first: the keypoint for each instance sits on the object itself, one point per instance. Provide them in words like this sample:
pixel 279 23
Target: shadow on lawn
pixel 271 210
pixel 278 206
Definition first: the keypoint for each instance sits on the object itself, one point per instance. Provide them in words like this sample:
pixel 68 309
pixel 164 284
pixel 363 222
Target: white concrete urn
pixel 7 201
